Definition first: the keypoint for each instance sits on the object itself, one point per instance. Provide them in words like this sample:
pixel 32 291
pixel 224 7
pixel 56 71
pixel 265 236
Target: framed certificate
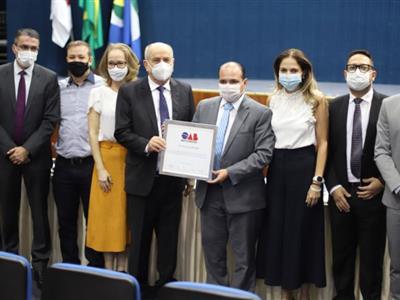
pixel 189 150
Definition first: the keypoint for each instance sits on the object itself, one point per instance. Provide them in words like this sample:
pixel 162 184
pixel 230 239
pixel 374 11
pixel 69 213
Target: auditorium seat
pixel 182 290
pixel 75 282
pixel 15 277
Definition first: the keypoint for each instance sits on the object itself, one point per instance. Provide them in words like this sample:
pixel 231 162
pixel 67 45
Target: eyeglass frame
pixel 119 65
pixel 358 66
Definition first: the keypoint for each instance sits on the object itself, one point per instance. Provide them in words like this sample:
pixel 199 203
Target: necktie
pixel 219 143
pixel 20 110
pixel 356 140
pixel 164 114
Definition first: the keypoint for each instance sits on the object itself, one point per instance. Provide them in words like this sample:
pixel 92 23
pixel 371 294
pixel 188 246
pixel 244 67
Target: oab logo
pixel 189 137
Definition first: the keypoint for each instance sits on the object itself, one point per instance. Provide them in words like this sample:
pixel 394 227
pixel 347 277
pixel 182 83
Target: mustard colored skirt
pixel 107 229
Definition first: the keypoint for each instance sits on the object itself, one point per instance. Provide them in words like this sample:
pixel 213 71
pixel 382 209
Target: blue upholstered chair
pixel 75 282
pixel 182 290
pixel 15 277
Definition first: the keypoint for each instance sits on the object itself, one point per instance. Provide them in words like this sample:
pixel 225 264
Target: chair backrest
pixel 202 291
pixel 67 281
pixel 15 277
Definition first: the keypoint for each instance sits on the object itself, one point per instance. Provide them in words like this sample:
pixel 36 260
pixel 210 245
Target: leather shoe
pixel 38 271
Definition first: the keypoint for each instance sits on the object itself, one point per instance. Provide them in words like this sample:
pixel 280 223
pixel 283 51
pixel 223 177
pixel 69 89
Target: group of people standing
pixel 271 163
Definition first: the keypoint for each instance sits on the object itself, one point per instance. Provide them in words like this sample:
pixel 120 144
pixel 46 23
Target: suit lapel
pixel 343 125
pixel 373 117
pixel 32 89
pixel 237 123
pixel 174 97
pixel 147 99
pixel 11 88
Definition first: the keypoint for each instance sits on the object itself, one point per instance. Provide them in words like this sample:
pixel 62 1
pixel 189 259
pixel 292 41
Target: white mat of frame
pixel 190 265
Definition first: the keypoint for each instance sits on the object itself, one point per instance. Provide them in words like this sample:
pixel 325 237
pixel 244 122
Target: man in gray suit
pixel 231 204
pixel 387 157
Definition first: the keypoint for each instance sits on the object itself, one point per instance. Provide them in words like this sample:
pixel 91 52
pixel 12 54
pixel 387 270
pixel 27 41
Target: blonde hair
pixel 132 62
pixel 308 86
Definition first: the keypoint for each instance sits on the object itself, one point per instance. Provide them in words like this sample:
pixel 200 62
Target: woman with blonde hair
pixel 291 251
pixel 107 220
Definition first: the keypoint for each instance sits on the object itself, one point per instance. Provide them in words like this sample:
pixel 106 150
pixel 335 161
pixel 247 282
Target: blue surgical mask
pixel 290 81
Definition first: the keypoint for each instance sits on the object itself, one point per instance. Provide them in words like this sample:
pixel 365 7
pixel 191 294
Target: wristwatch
pixel 318 179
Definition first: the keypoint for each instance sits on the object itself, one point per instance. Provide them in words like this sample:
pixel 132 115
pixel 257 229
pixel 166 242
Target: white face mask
pixel 230 92
pixel 26 58
pixel 358 80
pixel 162 71
pixel 117 74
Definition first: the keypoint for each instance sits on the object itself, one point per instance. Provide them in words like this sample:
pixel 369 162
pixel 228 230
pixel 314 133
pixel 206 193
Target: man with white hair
pixel 154 200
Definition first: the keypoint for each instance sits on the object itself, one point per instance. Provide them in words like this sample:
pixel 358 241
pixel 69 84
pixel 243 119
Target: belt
pixel 354 184
pixel 75 160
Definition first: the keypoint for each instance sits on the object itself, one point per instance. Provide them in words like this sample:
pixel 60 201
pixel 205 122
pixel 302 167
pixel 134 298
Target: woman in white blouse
pixel 291 251
pixel 107 220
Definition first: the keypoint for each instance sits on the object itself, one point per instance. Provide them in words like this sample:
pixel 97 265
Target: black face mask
pixel 77 68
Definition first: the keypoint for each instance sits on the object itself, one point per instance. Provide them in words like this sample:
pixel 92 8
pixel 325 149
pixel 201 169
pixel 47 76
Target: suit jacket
pixel 136 123
pixel 42 113
pixel 247 151
pixel 336 169
pixel 387 149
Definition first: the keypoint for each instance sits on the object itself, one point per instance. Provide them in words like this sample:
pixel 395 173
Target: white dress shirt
pixel 365 107
pixel 232 116
pixel 27 76
pixel 155 93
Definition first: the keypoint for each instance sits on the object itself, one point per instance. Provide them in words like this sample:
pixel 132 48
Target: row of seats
pixel 67 281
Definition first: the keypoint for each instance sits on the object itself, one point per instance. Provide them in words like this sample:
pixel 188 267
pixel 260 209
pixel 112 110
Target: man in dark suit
pixel 30 109
pixel 354 182
pixel 231 204
pixel 154 201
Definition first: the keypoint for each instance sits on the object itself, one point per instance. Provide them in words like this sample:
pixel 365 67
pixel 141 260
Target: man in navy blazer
pixel 30 110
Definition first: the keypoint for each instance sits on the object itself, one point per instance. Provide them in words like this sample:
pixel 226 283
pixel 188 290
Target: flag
pixel 92 27
pixel 60 15
pixel 124 27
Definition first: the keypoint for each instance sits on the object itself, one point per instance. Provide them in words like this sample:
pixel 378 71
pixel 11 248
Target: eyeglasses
pixel 119 64
pixel 364 68
pixel 28 48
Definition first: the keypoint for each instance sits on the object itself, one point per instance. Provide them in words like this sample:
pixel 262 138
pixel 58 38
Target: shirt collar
pixel 235 104
pixel 18 69
pixel 367 97
pixel 154 86
pixel 89 78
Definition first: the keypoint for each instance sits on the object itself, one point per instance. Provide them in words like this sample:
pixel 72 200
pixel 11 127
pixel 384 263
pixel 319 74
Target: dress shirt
pixel 73 137
pixel 155 93
pixel 232 116
pixel 365 107
pixel 27 77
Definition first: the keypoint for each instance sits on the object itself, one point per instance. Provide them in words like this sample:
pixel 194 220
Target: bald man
pixel 154 200
pixel 231 204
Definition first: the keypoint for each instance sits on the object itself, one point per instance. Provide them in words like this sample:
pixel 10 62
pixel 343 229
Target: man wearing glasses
pixel 30 110
pixel 354 182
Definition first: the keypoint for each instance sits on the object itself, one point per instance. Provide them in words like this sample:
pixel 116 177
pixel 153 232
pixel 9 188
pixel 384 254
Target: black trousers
pixel 71 185
pixel 37 189
pixel 159 211
pixel 364 227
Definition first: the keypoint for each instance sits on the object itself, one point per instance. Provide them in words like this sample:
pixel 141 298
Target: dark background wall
pixel 206 33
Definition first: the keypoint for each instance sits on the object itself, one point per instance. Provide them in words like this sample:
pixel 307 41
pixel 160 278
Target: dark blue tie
pixel 356 140
pixel 164 114
pixel 20 110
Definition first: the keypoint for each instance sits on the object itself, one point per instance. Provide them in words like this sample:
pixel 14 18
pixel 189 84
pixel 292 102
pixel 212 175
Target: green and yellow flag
pixel 92 27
